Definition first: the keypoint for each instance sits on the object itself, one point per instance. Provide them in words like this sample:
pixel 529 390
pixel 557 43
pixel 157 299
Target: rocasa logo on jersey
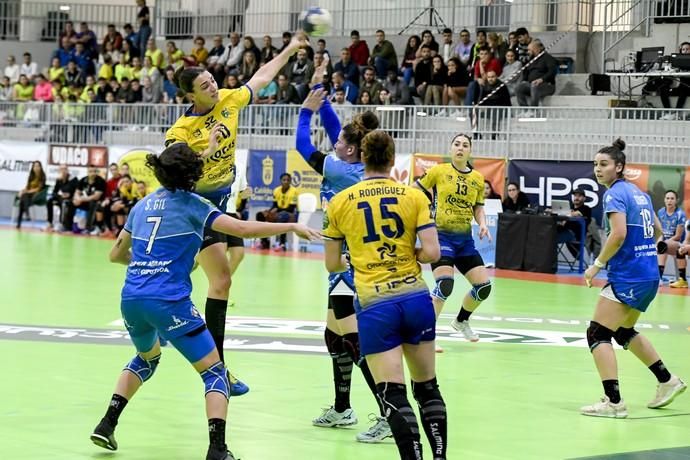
pixel 222 153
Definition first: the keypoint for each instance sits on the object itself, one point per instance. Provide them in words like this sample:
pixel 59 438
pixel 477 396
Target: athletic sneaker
pixel 237 387
pixel 103 435
pixel 378 432
pixel 438 348
pixel 219 454
pixel 605 408
pixel 667 392
pixel 464 328
pixel 330 418
pixel 679 283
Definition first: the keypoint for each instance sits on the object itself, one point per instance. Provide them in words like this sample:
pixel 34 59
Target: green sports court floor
pixel 513 395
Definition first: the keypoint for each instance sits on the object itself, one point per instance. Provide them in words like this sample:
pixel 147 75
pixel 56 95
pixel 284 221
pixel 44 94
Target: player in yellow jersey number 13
pixel 209 127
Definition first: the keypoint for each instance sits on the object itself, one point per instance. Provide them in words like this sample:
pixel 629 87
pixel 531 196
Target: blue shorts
pixel 341 283
pixel 453 246
pixel 637 295
pixel 388 325
pixel 147 319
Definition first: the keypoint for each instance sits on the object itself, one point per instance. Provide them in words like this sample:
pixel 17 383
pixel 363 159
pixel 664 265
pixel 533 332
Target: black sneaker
pixel 214 453
pixel 103 435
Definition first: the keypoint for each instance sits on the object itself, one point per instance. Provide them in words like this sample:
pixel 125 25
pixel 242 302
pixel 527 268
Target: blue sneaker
pixel 237 387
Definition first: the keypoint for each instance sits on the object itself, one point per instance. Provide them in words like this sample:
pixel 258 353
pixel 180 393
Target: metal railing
pixel 569 133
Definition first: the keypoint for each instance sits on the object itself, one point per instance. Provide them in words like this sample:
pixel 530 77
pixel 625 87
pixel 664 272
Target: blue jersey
pixel 339 175
pixel 636 259
pixel 167 231
pixel 670 222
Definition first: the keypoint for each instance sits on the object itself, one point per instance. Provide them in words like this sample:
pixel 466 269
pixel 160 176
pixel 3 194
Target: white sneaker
pixel 605 408
pixel 527 114
pixel 670 116
pixel 330 418
pixel 464 328
pixel 377 433
pixel 95 232
pixel 667 392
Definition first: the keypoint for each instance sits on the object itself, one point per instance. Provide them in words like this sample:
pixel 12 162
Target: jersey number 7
pixel 156 221
pixel 390 231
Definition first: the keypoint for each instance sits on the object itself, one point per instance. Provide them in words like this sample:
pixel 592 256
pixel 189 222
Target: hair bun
pixel 619 144
pixel 368 120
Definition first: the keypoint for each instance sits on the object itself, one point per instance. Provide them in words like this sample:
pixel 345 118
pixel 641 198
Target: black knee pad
pixel 480 292
pixel 426 391
pixel 624 336
pixel 393 397
pixel 334 343
pixel 351 347
pixel 443 288
pixel 597 334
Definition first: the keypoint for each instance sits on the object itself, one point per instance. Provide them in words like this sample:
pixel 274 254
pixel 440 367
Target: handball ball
pixel 316 21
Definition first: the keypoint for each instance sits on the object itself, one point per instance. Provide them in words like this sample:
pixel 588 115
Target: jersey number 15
pixel 395 230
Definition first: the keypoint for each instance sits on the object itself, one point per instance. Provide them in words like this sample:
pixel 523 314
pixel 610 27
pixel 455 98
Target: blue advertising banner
pixel 486 248
pixel 543 181
pixel 263 174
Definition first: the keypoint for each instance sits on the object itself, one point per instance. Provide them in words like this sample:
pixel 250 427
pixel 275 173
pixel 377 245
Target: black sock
pixel 342 369
pixel 117 405
pixel 215 322
pixel 681 273
pixel 401 419
pixel 661 270
pixel 216 432
pixel 351 344
pixel 660 372
pixel 432 410
pixel 366 372
pixel 612 390
pixel 464 315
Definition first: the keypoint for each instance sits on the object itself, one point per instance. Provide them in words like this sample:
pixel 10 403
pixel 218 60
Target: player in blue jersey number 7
pixel 633 280
pixel 164 232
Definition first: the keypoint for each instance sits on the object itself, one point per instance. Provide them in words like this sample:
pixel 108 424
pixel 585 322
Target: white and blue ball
pixel 316 21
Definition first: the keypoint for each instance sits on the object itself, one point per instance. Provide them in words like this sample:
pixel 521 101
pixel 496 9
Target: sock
pixel 432 410
pixel 117 405
pixel 661 270
pixel 351 343
pixel 612 390
pixel 464 315
pixel 215 322
pixel 401 419
pixel 660 372
pixel 342 370
pixel 216 432
pixel 366 372
pixel 681 273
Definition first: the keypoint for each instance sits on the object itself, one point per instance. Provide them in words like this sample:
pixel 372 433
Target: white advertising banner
pixel 78 158
pixel 15 162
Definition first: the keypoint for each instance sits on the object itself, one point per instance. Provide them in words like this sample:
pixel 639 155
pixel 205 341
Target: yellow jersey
pixel 455 194
pixel 285 199
pixel 379 220
pixel 193 129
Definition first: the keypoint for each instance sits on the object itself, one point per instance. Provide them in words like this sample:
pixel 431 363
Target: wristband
pixel 599 264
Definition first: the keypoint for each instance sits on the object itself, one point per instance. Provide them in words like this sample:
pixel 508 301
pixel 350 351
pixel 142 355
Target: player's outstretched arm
pixel 431 250
pixel 310 105
pixel 120 253
pixel 268 72
pixel 246 229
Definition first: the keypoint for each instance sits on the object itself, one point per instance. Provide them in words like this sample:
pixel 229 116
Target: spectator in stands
pixel 248 67
pixel 150 94
pixel 133 38
pixel 446 48
pixel 497 46
pixel 123 91
pixel 422 70
pixel 672 220
pixel 365 98
pixel 478 45
pixel 232 81
pixel 249 45
pixel 284 209
pixel 169 86
pixel 318 60
pixel 65 52
pixel 120 202
pixel 269 51
pixel 383 55
pixel 214 62
pixel 44 89
pixel 495 95
pixel 287 37
pixel 456 83
pixel 347 66
pixel 123 69
pixel 144 32
pixel 433 94
pixel 682 91
pixel 173 55
pixel 539 79
pixel 463 50
pixel 135 93
pixel 513 42
pixel 151 71
pixel 484 64
pixel 105 69
pixel 321 46
pixel 489 192
pixel 35 184
pixel 199 50
pixel 102 88
pixel 87 197
pixel 28 68
pixel 397 92
pixel 154 53
pixel 23 91
pixel 86 37
pixel 67 32
pixel 112 37
pixel 12 70
pixel 359 50
pixel 73 74
pixel 371 84
pixel 63 191
pixel 232 57
pixel 83 59
pixel 351 90
pixel 410 58
pixel 428 40
pixel 56 71
pixel 512 68
pixel 300 72
pixel 6 90
pixel 569 231
pixel 128 51
pixel 516 201
pixel 524 40
pixel 287 94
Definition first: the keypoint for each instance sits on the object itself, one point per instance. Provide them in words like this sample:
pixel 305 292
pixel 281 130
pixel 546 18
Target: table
pixel 651 74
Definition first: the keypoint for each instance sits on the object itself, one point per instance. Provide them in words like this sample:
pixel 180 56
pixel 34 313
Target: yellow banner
pixel 304 178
